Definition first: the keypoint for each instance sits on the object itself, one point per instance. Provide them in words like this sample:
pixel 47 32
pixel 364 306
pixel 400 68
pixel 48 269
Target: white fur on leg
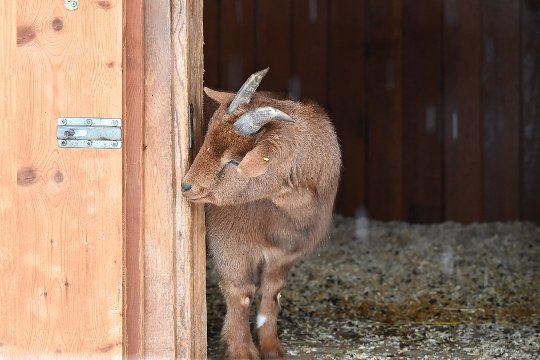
pixel 261 319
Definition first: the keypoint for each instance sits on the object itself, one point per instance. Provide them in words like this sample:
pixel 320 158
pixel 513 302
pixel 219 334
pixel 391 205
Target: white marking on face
pixel 261 319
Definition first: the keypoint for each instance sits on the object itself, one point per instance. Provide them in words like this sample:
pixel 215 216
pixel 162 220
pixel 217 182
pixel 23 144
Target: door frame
pixel 165 252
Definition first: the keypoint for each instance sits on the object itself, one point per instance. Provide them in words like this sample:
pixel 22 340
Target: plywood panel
pixel 61 260
pixel 384 109
pixel 422 110
pixel 530 124
pixel 346 99
pixel 500 109
pixel 462 117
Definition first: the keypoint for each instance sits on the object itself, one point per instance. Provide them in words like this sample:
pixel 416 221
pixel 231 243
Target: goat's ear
pixel 256 162
pixel 218 96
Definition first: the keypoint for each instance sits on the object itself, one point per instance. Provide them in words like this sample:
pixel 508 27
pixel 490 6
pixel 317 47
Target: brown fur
pixel 265 212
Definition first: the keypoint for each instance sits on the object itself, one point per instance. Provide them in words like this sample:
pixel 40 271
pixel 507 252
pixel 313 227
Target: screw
pixel 89 143
pixel 115 122
pixel 89 121
pixel 115 144
pixel 64 121
pixel 63 142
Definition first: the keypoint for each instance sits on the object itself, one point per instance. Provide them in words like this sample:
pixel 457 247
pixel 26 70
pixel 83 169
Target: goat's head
pixel 247 150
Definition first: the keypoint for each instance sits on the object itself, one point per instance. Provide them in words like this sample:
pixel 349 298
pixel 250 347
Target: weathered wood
pixel 133 156
pixel 158 184
pixel 174 322
pixel 187 81
pixel 422 110
pixel 346 98
pixel 462 118
pixel 309 50
pixel 530 102
pixel 500 109
pixel 384 98
pixel 61 252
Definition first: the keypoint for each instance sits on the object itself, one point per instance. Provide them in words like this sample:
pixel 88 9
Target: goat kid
pixel 268 173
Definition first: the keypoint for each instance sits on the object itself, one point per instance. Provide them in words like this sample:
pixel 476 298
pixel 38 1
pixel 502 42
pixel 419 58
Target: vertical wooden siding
pixel 435 101
pixel 174 247
pixel 60 209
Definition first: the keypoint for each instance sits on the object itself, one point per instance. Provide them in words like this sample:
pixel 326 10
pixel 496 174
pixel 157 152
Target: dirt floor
pixel 392 290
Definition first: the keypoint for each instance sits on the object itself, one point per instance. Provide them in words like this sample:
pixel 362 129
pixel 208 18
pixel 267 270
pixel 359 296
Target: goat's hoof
pixel 243 353
pixel 274 352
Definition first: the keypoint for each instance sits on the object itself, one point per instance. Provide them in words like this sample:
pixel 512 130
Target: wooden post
pixel 174 251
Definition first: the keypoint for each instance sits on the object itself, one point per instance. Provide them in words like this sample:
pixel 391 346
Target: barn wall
pixel 435 101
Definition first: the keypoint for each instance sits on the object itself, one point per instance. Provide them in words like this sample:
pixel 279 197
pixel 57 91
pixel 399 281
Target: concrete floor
pixel 392 290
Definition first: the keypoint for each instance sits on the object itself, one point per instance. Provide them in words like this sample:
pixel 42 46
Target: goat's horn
pixel 243 96
pixel 254 120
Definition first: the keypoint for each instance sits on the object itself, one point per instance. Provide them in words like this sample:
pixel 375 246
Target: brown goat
pixel 268 173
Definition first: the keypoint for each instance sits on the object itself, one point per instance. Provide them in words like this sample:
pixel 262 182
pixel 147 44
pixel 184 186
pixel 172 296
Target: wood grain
pixel 158 185
pixel 133 170
pixel 500 109
pixel 462 117
pixel 422 110
pixel 530 102
pixel 61 261
pixel 384 98
pixel 346 97
pixel 174 292
pixel 190 269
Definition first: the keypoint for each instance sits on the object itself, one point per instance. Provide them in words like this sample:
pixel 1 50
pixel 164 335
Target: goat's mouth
pixel 196 197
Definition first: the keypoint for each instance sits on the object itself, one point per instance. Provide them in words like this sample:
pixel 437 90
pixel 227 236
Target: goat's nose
pixel 185 186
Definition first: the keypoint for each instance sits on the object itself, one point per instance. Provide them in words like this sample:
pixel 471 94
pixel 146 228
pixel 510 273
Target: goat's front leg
pixel 236 334
pixel 273 279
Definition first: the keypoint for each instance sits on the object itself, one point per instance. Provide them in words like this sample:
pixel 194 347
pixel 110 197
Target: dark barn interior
pixel 436 103
pixel 437 107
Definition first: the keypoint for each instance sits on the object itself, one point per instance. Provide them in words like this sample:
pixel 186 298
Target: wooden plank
pixel 175 310
pixel 463 139
pixel 9 244
pixel 133 124
pixel 383 91
pixel 530 102
pixel 190 304
pixel 309 50
pixel 211 43
pixel 422 120
pixel 237 42
pixel 273 43
pixel 64 252
pixel 346 99
pixel 500 108
pixel 159 212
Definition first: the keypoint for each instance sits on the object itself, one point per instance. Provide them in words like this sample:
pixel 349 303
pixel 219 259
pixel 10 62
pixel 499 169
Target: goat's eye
pixel 233 162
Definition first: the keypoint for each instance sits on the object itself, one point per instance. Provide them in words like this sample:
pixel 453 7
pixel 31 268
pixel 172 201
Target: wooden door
pixel 61 241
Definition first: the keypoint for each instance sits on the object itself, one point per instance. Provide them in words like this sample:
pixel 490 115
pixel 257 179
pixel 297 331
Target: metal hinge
pixel 96 133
